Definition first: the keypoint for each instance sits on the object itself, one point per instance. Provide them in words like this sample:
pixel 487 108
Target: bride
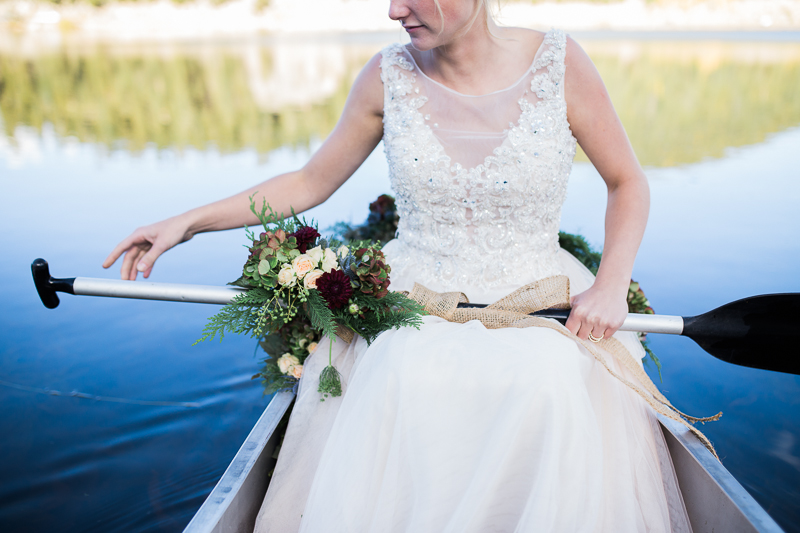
pixel 456 427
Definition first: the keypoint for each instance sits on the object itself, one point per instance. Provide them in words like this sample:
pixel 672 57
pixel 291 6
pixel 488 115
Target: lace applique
pixel 496 223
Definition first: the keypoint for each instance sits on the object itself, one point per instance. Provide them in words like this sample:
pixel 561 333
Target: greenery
pixel 679 102
pixel 579 247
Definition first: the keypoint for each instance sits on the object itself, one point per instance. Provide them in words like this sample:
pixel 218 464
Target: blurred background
pixel 118 114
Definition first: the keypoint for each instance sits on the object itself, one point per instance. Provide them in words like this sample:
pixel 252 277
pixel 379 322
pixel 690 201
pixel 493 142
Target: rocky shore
pixel 165 20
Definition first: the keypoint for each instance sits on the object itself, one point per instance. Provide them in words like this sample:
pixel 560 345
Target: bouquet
pixel 301 287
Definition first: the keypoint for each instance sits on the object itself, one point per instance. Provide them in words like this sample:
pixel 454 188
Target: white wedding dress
pixel 454 427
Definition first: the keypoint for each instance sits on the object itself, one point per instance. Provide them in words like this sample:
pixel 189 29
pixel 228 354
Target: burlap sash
pixel 513 311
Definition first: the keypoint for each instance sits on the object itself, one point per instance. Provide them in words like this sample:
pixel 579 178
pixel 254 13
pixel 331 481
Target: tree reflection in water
pixel 679 101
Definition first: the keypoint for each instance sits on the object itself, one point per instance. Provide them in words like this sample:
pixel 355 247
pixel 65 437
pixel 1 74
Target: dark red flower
pixel 334 286
pixel 306 237
pixel 382 205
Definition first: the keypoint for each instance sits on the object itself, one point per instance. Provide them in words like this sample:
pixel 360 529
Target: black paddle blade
pixel 759 332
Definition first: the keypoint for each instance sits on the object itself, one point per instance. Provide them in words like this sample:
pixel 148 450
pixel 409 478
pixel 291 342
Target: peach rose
pixel 295 371
pixel 286 362
pixel 329 261
pixel 302 264
pixel 287 276
pixel 311 278
pixel 312 347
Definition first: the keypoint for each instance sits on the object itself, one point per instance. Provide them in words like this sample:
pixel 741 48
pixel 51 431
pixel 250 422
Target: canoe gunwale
pixel 714 499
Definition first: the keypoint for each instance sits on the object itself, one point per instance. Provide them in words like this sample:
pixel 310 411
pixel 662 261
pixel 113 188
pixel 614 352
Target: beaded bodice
pixel 479 196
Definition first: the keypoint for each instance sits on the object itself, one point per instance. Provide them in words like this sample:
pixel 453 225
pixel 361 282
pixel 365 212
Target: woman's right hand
pixel 146 244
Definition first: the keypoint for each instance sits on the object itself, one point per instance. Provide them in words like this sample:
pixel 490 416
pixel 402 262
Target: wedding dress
pixel 455 427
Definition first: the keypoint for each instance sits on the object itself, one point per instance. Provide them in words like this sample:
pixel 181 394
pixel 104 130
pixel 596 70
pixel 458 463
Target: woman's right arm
pixel 356 134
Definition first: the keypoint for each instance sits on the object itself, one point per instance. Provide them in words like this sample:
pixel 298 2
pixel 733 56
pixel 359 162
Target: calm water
pixel 94 142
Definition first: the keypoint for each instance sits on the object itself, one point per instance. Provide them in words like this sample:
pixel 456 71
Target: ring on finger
pixel 596 339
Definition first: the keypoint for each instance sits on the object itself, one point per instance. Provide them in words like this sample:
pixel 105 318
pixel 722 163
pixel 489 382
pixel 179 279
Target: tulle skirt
pixel 457 428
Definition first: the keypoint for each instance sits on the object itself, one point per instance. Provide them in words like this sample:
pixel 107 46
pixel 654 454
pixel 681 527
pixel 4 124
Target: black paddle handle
pixel 47 285
pixel 558 314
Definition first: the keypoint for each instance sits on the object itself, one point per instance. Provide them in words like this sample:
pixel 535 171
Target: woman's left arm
pixel 601 309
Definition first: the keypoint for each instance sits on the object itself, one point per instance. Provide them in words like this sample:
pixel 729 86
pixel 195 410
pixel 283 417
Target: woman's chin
pixel 421 44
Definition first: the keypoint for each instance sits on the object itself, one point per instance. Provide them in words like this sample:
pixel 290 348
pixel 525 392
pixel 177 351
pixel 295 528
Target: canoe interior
pixel 715 501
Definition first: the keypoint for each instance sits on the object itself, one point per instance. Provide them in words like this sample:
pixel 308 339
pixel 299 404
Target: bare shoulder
pixel 527 41
pixel 580 71
pixel 576 57
pixel 582 82
pixel 367 90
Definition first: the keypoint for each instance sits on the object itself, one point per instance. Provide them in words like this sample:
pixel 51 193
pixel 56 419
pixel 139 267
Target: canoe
pixel 715 501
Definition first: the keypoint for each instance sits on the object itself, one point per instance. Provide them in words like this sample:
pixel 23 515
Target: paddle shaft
pixel 757 332
pixel 47 286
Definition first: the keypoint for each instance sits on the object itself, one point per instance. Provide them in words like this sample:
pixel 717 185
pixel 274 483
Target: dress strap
pixel 549 83
pixel 397 74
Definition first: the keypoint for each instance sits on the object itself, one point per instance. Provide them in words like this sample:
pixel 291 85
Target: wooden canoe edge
pixel 714 500
pixel 232 506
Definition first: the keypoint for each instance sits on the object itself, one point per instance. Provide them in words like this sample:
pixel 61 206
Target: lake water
pixel 112 421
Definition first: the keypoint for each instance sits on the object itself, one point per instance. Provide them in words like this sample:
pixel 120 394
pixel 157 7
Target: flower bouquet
pixel 301 287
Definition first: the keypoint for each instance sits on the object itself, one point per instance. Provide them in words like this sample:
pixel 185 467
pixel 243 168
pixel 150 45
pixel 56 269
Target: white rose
pixel 343 251
pixel 295 371
pixel 286 362
pixel 329 261
pixel 302 264
pixel 287 276
pixel 310 281
pixel 315 254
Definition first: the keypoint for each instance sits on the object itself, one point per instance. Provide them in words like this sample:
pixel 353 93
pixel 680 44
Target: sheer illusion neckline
pixel 445 87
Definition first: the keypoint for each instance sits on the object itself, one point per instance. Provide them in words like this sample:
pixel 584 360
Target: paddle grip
pixel 47 285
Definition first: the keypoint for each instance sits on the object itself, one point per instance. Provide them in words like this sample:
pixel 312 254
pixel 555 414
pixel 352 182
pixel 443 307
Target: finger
pixel 128 270
pixel 118 251
pixel 583 333
pixel 146 263
pixel 609 332
pixel 127 261
pixel 134 270
pixel 573 323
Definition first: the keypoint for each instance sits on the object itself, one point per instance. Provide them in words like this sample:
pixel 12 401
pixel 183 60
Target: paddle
pixel 758 332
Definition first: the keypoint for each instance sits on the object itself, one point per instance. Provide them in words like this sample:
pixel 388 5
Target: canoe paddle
pixel 758 332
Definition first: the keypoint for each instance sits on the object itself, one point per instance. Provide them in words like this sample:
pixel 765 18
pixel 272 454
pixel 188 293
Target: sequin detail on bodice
pixel 496 223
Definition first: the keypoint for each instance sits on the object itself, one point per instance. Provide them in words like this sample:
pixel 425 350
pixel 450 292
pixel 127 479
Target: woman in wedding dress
pixel 456 427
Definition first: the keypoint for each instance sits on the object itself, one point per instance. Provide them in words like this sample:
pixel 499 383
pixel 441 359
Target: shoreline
pixel 28 21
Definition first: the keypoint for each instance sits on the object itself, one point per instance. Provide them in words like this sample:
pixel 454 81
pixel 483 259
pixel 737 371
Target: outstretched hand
pixel 145 245
pixel 599 311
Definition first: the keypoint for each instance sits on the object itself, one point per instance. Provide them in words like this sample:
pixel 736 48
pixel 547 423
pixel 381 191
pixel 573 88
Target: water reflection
pixel 680 102
pixel 233 98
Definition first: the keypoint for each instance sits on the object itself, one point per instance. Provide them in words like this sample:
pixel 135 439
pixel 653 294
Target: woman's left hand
pixel 599 311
